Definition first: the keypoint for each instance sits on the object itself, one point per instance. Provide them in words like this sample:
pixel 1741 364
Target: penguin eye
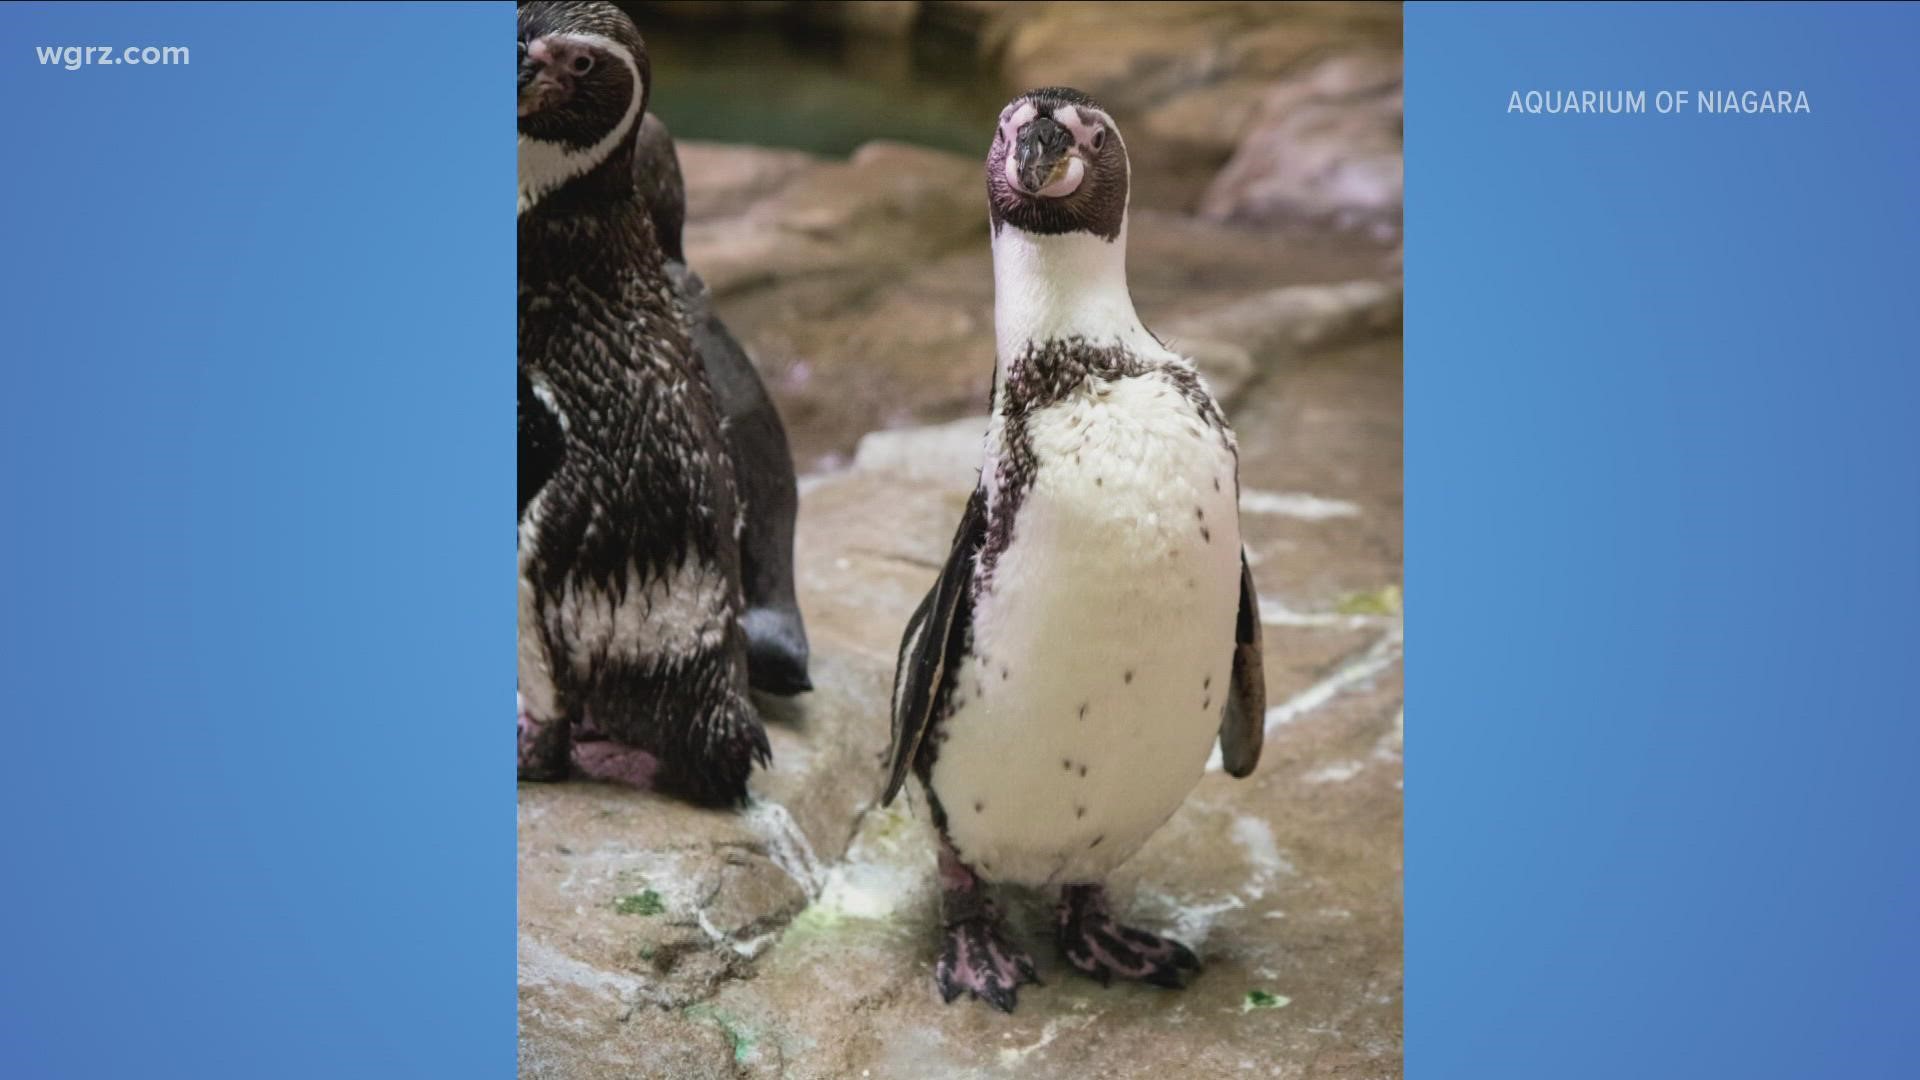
pixel 582 64
pixel 1100 138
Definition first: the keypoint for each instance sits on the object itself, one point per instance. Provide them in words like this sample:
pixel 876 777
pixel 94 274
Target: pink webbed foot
pixel 977 959
pixel 1100 947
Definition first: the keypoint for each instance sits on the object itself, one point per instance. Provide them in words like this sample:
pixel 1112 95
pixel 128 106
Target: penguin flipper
pixel 541 445
pixel 940 620
pixel 777 652
pixel 1243 726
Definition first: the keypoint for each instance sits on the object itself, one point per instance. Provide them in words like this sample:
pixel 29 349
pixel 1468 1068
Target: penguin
pixel 1094 628
pixel 632 661
pixel 757 442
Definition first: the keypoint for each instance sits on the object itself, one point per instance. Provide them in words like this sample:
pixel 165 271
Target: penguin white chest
pixel 1103 644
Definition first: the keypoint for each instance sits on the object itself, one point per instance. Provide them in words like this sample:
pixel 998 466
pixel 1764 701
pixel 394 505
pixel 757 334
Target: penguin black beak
pixel 547 72
pixel 1042 157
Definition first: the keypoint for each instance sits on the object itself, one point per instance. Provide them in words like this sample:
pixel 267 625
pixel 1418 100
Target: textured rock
pixel 635 910
pixel 1323 145
pixel 944 454
pixel 1136 56
pixel 733 177
pixel 888 203
pixel 1234 341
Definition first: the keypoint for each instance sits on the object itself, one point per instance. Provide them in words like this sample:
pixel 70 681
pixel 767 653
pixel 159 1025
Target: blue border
pixel 258 638
pixel 1663 548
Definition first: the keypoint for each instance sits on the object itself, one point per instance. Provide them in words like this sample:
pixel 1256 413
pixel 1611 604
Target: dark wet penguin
pixel 632 659
pixel 1094 630
pixel 756 440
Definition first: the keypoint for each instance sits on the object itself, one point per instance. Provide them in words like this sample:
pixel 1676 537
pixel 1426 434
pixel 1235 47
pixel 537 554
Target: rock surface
pixel 1325 145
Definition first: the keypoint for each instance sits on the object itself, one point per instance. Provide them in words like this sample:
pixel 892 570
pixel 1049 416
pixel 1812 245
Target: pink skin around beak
pixel 1066 183
pixel 548 71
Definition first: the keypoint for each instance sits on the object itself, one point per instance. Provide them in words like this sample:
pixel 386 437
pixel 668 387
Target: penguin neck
pixel 598 190
pixel 1051 287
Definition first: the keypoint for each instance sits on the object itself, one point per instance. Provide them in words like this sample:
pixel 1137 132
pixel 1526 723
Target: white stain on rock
pixel 1013 1056
pixel 1255 837
pixel 1295 504
pixel 543 965
pixel 1277 613
pixel 787 845
pixel 1337 772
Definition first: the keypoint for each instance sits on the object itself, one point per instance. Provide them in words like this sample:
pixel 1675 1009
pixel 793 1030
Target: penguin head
pixel 583 69
pixel 583 85
pixel 1058 165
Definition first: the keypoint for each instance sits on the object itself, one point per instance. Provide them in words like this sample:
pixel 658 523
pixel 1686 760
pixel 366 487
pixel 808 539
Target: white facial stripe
pixel 1082 126
pixel 1011 123
pixel 544 166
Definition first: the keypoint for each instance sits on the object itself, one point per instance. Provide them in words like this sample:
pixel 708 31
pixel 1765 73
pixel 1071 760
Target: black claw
pixel 759 750
pixel 1168 977
pixel 1184 957
pixel 718 777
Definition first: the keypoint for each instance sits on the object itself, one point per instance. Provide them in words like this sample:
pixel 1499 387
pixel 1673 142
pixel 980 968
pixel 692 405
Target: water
pixel 821 92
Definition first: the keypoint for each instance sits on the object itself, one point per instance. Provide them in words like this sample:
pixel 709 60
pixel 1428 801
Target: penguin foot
pixel 602 759
pixel 718 777
pixel 776 651
pixel 1100 947
pixel 977 959
pixel 543 748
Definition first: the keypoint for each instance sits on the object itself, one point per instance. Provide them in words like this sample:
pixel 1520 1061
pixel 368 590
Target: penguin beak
pixel 544 79
pixel 1044 162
